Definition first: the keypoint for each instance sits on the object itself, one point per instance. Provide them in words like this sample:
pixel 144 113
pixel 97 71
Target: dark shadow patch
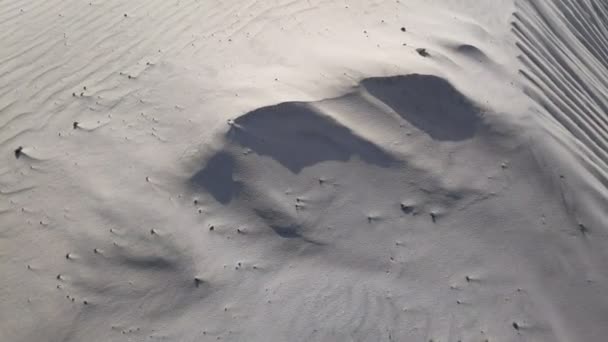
pixel 217 178
pixel 428 102
pixel 287 232
pixel 283 226
pixel 298 136
pixel 146 262
pixel 471 52
pixel 280 223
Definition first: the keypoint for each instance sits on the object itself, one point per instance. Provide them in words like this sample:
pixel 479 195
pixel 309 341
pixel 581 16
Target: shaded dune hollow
pixel 429 103
pixel 302 135
pixel 298 135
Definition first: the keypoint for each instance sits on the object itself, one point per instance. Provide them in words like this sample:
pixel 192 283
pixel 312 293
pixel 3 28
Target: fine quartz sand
pixel 309 170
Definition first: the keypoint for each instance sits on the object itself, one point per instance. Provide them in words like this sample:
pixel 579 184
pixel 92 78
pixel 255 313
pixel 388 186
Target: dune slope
pixel 303 170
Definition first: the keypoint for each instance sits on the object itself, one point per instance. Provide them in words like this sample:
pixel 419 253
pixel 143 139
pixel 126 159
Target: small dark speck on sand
pixel 422 52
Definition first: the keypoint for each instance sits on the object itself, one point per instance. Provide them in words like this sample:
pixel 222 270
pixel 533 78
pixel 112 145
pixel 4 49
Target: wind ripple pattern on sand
pixel 564 45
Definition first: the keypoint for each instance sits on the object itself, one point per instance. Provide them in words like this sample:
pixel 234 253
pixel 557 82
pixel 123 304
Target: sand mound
pixel 303 170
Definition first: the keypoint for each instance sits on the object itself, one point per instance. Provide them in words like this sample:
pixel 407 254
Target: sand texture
pixel 309 170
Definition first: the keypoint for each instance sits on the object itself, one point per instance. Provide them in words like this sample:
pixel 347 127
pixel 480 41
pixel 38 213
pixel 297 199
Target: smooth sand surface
pixel 344 170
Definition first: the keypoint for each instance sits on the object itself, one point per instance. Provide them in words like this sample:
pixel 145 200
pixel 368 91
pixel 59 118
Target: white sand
pixel 273 170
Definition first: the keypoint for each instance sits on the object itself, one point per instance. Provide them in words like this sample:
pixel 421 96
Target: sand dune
pixel 564 50
pixel 303 170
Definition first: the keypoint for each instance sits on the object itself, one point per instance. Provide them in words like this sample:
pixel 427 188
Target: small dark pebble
pixel 197 281
pixel 18 152
pixel 403 29
pixel 515 326
pixel 75 124
pixel 422 52
pixel 408 209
